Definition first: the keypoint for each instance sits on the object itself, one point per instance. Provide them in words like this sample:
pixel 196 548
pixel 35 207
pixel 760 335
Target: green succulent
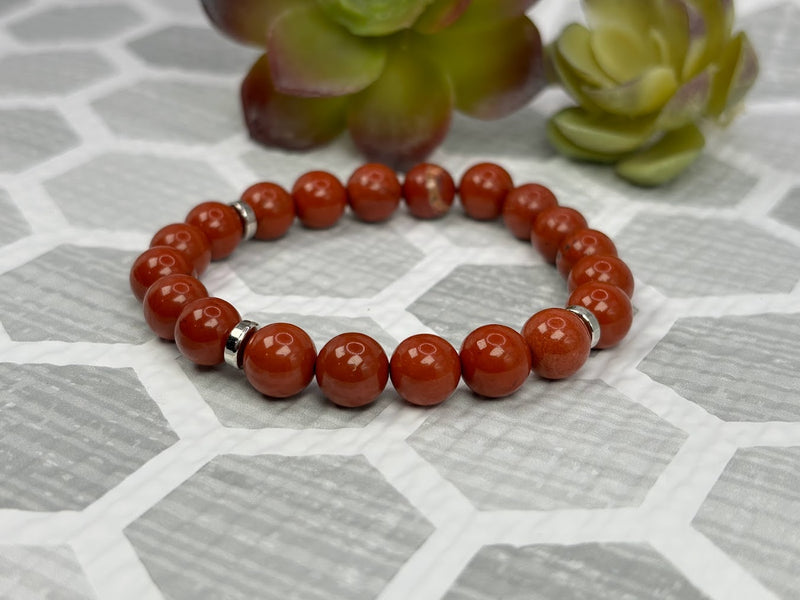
pixel 646 74
pixel 389 71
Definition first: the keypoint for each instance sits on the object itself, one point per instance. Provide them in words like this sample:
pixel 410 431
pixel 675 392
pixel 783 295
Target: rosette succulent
pixel 389 71
pixel 646 74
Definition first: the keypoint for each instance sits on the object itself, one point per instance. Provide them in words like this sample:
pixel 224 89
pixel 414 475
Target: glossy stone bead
pixel 425 369
pixel 429 191
pixel 495 361
pixel 523 204
pixel 374 192
pixel 155 263
pixel 552 226
pixel 580 243
pixel 203 328
pixel 187 239
pixel 483 189
pixel 274 209
pixel 605 269
pixel 221 224
pixel 166 299
pixel 279 360
pixel 352 369
pixel 610 305
pixel 559 342
pixel 319 199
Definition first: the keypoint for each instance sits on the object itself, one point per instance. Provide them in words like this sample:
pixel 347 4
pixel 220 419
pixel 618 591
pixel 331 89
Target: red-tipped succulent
pixel 389 71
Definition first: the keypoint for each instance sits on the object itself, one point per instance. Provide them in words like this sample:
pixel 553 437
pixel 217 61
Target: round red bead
pixel 155 263
pixel 425 369
pixel 559 342
pixel 203 328
pixel 352 369
pixel 523 204
pixel 221 224
pixel 552 226
pixel 429 191
pixel 373 192
pixel 279 360
pixel 610 305
pixel 187 239
pixel 166 299
pixel 273 207
pixel 605 269
pixel 495 361
pixel 580 243
pixel 483 189
pixel 319 199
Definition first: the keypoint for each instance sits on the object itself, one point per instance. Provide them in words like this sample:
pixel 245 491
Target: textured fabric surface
pixel 667 468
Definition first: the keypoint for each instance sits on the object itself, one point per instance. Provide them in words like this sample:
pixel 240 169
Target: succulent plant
pixel 389 71
pixel 646 75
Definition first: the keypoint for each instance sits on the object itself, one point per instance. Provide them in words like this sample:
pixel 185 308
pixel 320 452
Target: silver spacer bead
pixel 236 341
pixel 248 218
pixel 589 319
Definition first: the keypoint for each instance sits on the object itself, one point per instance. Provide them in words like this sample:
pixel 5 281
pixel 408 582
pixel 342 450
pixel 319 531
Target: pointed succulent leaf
pixel 247 21
pixel 709 32
pixel 602 134
pixel 622 54
pixel 405 114
pixel 374 17
pixel 289 122
pixel 440 14
pixel 638 97
pixel 570 150
pixel 486 13
pixel 664 160
pixel 688 103
pixel 495 70
pixel 310 55
pixel 631 15
pixel 574 47
pixel 671 25
pixel 570 81
pixel 737 72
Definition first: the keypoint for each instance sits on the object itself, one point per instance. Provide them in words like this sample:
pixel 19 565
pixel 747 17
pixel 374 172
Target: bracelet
pixel 280 359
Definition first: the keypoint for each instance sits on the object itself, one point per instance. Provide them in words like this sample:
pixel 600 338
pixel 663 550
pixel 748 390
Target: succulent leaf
pixel 440 14
pixel 374 17
pixel 291 122
pixel 574 47
pixel 487 13
pixel 631 15
pixel 622 54
pixel 737 73
pixel 688 103
pixel 570 150
pixel 664 160
pixel 299 39
pixel 247 21
pixel 405 114
pixel 602 133
pixel 638 97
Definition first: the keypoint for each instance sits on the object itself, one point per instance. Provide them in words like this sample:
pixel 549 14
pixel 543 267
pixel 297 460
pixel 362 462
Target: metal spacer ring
pixel 236 341
pixel 248 217
pixel 592 324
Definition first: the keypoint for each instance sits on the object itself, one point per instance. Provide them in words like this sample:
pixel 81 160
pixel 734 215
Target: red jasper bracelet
pixel 280 359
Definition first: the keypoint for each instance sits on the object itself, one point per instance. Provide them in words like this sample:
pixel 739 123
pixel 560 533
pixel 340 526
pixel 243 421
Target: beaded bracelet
pixel 280 359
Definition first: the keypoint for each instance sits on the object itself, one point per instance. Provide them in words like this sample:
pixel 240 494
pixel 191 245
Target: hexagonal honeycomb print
pixel 666 468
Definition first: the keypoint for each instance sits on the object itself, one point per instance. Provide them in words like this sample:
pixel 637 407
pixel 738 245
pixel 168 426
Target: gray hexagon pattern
pixel 28 572
pixel 12 226
pixel 31 136
pixel 51 72
pixel 281 527
pixel 81 22
pixel 788 211
pixel 67 441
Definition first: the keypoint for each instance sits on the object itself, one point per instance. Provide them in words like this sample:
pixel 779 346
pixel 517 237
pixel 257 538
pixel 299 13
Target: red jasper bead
pixel 273 207
pixel 319 199
pixel 279 360
pixel 552 226
pixel 429 191
pixel 203 328
pixel 187 239
pixel 166 299
pixel 221 224
pixel 580 243
pixel 559 342
pixel 523 204
pixel 483 189
pixel 495 361
pixel 610 305
pixel 373 192
pixel 352 369
pixel 425 369
pixel 605 269
pixel 155 263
